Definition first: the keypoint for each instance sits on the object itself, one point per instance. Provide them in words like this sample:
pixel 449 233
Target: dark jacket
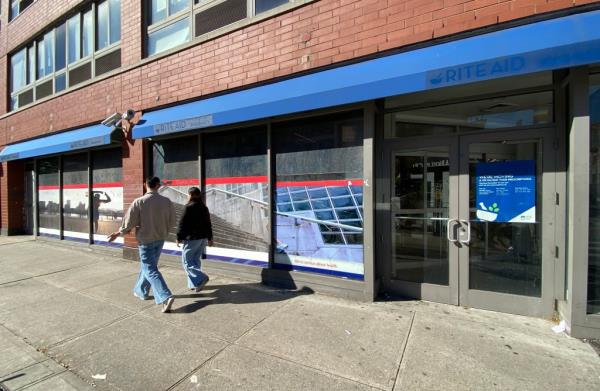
pixel 195 223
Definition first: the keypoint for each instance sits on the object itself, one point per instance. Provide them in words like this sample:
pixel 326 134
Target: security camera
pixel 128 115
pixel 112 120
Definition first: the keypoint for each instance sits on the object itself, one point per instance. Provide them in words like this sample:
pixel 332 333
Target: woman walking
pixel 195 232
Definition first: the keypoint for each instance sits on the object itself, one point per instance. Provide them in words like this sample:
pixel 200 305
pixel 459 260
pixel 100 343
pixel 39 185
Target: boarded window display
pixel 319 210
pixel 237 195
pixel 175 162
pixel 48 197
pixel 107 194
pixel 75 197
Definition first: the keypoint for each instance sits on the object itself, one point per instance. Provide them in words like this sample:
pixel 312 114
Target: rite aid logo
pixel 466 73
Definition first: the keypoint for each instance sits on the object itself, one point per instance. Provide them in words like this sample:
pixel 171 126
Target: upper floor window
pixel 67 54
pixel 109 23
pixel 16 7
pixel 174 22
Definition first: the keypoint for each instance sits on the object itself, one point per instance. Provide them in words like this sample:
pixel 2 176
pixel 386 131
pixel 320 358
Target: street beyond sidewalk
pixel 69 321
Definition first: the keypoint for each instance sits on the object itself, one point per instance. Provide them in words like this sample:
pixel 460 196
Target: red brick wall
pixel 131 45
pixel 133 174
pixel 318 34
pixel 11 195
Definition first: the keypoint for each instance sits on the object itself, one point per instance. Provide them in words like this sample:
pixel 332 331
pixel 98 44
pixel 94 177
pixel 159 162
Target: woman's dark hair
pixel 195 195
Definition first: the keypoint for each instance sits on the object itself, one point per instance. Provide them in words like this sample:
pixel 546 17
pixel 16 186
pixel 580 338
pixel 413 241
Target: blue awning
pixel 547 45
pixel 91 136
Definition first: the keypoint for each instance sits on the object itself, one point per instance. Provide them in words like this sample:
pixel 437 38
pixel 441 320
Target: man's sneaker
pixel 140 297
pixel 202 284
pixel 167 304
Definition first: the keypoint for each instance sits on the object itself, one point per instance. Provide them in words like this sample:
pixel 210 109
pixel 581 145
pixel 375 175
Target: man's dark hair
pixel 152 182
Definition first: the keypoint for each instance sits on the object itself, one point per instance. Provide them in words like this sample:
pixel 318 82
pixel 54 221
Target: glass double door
pixel 471 220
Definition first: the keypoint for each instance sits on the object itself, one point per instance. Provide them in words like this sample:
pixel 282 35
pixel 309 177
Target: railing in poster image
pixel 265 205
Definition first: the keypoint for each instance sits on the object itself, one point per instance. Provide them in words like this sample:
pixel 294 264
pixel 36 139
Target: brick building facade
pixel 286 41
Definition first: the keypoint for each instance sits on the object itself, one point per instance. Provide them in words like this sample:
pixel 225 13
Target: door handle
pixel 449 226
pixel 468 224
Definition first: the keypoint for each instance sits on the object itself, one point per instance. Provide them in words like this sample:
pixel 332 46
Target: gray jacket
pixel 152 215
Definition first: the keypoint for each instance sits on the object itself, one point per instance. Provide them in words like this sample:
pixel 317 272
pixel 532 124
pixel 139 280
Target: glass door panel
pixel 506 204
pixel 505 217
pixel 420 203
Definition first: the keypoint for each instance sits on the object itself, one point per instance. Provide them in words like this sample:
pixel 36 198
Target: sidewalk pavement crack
pixel 228 344
pixel 312 368
pixel 44 275
pixel 43 378
pixel 11 243
pixel 92 330
pixel 286 303
pixel 402 354
pixel 189 374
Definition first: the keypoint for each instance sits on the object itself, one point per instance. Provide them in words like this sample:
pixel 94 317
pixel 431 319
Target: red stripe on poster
pixel 76 186
pixel 225 181
pixel 181 182
pixel 332 182
pixel 102 185
pixel 236 179
pixel 107 184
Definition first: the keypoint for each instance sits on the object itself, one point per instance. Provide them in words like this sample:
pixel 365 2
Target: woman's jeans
pixel 190 258
pixel 149 275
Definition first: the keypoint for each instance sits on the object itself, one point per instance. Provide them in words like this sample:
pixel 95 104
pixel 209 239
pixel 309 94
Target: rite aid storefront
pixel 465 173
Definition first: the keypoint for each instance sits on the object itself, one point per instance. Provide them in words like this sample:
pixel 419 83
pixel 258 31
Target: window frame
pixel 109 45
pixel 39 42
pixel 19 10
pixel 193 9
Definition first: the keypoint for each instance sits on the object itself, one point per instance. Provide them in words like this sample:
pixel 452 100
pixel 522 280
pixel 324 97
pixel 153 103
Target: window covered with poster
pixel 75 197
pixel 319 196
pixel 101 209
pixel 237 196
pixel 107 194
pixel 175 162
pixel 48 196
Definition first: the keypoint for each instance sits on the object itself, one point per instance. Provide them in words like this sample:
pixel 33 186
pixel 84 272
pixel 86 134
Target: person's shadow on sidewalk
pixel 241 293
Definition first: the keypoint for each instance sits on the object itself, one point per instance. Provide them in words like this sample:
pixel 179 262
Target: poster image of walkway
pixel 320 227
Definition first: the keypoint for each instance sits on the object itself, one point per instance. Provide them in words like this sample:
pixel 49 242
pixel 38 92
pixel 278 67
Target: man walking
pixel 151 215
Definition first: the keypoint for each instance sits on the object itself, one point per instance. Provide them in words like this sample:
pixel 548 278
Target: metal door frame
pixel 426 291
pixel 503 302
pixel 457 291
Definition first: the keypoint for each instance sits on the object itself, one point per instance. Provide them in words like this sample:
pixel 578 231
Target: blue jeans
pixel 149 275
pixel 190 258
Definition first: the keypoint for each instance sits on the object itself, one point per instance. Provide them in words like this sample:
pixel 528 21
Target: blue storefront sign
pixel 505 191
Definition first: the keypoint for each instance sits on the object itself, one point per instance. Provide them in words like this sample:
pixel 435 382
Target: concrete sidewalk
pixel 68 318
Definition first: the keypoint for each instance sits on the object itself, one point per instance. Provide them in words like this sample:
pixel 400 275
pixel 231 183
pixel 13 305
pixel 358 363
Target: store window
pixel 319 208
pixel 175 162
pixel 65 55
pixel 172 23
pixel 49 196
pixel 593 293
pixel 107 194
pixel 75 197
pixel 237 195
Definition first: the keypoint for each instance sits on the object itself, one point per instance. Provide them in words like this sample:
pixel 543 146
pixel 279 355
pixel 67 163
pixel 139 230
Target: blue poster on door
pixel 505 191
